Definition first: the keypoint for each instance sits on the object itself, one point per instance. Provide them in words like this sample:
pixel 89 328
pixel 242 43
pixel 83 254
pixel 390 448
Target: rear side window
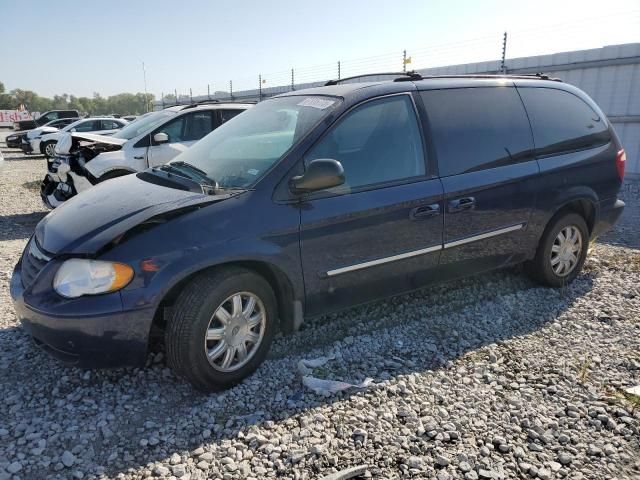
pixel 376 142
pixel 477 128
pixel 562 122
pixel 88 126
pixel 227 115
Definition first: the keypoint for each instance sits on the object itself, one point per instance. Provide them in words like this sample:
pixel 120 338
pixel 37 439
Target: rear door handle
pixel 425 211
pixel 460 204
pixel 138 157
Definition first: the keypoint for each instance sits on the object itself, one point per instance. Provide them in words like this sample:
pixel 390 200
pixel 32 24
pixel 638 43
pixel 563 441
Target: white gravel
pixel 490 377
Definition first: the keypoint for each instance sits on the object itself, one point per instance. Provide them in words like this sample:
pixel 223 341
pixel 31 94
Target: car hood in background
pixel 91 220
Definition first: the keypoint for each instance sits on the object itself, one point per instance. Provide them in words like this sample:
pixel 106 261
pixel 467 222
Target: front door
pixel 183 132
pixel 486 162
pixel 381 232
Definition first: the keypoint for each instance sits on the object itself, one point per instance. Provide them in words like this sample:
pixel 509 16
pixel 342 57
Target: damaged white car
pixel 82 160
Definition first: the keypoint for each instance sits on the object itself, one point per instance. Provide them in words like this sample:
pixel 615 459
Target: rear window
pixel 477 128
pixel 562 122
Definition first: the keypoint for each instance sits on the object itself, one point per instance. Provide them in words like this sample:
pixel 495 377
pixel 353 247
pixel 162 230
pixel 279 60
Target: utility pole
pixel 146 99
pixel 503 65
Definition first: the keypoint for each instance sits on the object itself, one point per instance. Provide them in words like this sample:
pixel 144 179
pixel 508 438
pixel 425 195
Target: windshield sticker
pixel 252 171
pixel 316 102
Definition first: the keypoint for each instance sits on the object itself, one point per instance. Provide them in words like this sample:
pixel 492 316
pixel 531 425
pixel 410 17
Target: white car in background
pixel 46 141
pixel 83 160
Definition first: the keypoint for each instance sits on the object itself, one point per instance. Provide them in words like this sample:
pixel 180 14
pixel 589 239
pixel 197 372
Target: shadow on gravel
pixel 13 157
pixel 137 416
pixel 18 226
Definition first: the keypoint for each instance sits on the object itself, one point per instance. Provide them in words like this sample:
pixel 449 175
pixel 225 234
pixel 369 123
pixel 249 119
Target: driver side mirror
pixel 160 137
pixel 73 130
pixel 321 174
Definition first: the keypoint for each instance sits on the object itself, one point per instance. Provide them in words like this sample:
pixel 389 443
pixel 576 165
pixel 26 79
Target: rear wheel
pixel 221 328
pixel 562 251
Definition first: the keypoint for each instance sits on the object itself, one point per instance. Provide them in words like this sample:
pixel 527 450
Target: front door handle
pixel 461 204
pixel 425 211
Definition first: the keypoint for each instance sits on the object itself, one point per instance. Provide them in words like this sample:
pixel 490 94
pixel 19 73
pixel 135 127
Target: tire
pixel 113 174
pixel 47 148
pixel 550 249
pixel 194 315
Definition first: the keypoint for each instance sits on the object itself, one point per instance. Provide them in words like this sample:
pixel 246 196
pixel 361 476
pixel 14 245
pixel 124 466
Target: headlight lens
pixel 77 277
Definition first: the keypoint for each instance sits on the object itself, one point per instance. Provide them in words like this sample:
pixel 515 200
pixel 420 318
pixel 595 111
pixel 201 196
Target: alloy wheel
pixel 235 331
pixel 50 149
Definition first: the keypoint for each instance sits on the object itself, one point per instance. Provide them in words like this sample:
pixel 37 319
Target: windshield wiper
pixel 208 184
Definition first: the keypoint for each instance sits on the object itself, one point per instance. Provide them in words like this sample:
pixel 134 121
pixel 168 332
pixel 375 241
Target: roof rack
pixel 402 76
pixel 524 76
pixel 415 76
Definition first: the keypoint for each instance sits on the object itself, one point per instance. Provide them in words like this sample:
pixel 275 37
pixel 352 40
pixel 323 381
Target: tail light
pixel 621 159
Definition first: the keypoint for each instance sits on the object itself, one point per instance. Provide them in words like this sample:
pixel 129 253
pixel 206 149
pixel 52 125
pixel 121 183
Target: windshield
pixel 237 153
pixel 143 124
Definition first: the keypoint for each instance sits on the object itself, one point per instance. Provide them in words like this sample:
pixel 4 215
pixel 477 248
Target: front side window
pixel 238 153
pixel 227 115
pixel 174 129
pixel 562 122
pixel 477 128
pixel 376 142
pixel 197 125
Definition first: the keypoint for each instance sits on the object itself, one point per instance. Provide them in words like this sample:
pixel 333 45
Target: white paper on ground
pixel 322 386
pixel 634 390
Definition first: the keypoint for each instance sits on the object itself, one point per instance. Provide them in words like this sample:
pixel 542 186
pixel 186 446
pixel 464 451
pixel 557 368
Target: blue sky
pixel 81 47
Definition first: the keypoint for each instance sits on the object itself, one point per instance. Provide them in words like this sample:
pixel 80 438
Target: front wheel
pixel 562 251
pixel 49 149
pixel 221 328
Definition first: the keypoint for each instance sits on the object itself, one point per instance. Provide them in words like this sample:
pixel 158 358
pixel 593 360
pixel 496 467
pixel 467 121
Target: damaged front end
pixel 66 173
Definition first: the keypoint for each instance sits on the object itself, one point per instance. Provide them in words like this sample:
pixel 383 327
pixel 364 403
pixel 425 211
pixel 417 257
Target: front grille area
pixel 33 261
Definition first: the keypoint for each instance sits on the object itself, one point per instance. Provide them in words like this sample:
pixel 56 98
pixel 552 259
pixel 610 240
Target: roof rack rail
pixel 402 76
pixel 526 76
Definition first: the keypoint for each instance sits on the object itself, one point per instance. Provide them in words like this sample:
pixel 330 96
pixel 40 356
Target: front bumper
pixel 91 336
pixel 15 142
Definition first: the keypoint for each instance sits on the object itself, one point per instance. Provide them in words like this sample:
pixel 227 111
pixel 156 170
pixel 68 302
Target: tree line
pixel 120 104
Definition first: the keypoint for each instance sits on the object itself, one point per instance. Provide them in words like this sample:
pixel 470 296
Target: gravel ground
pixel 490 377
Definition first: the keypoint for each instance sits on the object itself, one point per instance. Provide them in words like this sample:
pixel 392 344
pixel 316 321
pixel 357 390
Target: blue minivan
pixel 314 201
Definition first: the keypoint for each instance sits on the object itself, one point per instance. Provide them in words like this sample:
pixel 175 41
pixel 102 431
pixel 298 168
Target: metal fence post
pixel 293 85
pixel 175 92
pixel 338 69
pixel 260 87
pixel 190 96
pixel 404 61
pixel 503 65
pixel 208 92
pixel 162 100
pixel 231 88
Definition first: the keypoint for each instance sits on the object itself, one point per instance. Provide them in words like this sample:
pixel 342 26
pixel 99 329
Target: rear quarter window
pixel 562 122
pixel 477 128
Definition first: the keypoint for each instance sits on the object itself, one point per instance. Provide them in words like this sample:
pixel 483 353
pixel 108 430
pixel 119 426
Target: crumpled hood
pixel 92 219
pixel 67 141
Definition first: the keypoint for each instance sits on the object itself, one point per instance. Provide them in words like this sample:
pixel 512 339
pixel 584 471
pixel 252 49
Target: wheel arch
pixel 289 307
pixel 585 206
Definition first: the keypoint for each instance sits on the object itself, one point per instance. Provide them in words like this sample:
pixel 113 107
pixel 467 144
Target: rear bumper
pixel 86 339
pixel 609 214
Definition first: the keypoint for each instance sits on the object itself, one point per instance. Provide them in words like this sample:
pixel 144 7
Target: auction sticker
pixel 316 102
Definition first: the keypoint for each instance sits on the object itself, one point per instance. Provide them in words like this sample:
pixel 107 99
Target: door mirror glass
pixel 73 129
pixel 321 174
pixel 160 137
